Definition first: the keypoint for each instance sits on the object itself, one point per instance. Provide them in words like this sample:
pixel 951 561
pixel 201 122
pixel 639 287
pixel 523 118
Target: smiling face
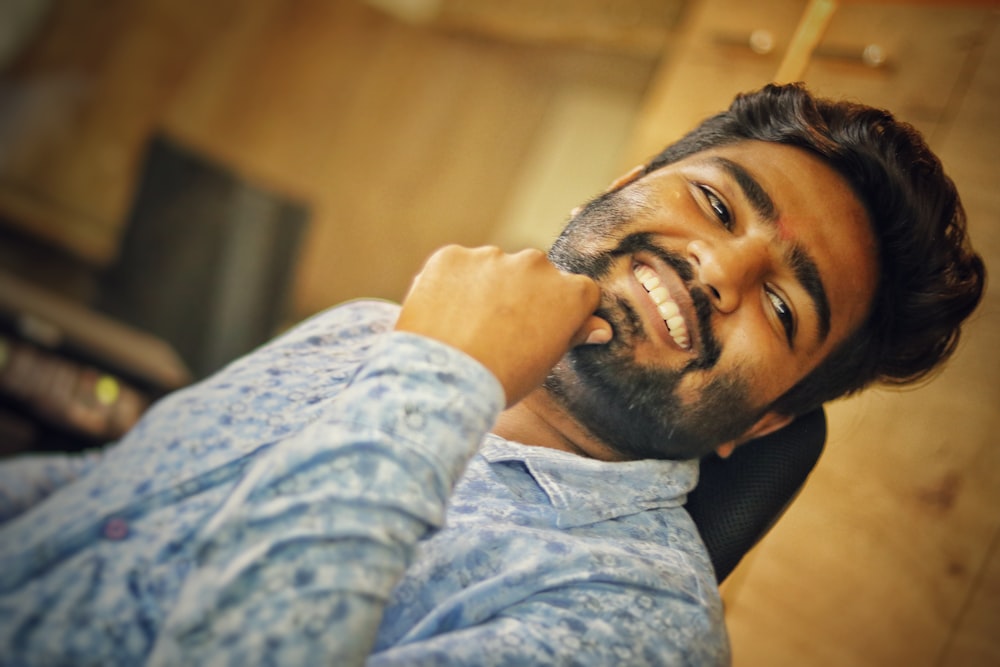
pixel 727 277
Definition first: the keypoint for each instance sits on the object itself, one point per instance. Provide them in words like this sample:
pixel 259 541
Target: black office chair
pixel 738 499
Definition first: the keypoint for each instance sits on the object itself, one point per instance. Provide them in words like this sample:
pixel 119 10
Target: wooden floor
pixel 402 139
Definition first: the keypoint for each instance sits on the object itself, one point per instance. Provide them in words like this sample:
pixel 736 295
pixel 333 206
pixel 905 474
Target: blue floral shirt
pixel 335 498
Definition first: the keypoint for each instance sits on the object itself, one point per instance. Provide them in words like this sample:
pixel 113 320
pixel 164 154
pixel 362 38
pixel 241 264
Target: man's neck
pixel 540 420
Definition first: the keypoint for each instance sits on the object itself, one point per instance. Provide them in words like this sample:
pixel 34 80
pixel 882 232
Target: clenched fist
pixel 516 314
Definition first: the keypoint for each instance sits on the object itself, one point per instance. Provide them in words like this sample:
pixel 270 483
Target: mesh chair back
pixel 738 499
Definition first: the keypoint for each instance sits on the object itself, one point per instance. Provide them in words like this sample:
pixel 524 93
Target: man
pixel 495 473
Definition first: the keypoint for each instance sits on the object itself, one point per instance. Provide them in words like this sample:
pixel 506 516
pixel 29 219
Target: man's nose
pixel 728 268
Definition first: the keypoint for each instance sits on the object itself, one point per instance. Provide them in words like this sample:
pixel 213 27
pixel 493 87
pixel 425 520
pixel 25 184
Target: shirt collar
pixel 585 491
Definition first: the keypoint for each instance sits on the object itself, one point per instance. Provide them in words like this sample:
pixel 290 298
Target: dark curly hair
pixel 930 279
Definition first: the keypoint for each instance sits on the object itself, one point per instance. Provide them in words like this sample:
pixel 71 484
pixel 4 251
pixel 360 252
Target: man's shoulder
pixel 349 320
pixel 357 312
pixel 335 338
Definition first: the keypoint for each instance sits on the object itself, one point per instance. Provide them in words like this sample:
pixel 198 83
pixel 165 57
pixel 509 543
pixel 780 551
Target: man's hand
pixel 516 314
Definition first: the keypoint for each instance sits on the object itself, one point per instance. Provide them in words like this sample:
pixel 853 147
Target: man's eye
pixel 784 314
pixel 719 208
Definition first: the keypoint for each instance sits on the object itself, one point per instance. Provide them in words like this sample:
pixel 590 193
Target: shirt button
pixel 116 529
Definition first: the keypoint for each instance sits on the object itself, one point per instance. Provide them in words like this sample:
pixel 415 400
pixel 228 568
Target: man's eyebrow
pixel 803 266
pixel 760 201
pixel 808 276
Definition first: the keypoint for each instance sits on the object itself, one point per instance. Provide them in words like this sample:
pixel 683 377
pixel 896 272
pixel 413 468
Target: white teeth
pixel 667 307
pixel 668 310
pixel 660 294
pixel 647 277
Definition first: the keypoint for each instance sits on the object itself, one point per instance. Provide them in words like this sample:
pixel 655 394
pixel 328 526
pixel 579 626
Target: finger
pixel 595 331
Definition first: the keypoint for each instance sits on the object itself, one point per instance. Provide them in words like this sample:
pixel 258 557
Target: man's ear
pixel 769 423
pixel 620 182
pixel 623 180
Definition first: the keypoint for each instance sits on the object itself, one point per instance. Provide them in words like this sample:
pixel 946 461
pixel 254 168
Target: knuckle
pixel 446 251
pixel 487 252
pixel 533 258
pixel 454 249
pixel 532 253
pixel 586 287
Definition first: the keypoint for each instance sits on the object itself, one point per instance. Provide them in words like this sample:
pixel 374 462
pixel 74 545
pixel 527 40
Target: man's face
pixel 727 277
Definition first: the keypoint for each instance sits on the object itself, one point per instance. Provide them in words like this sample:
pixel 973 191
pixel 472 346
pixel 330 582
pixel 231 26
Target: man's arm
pixel 297 566
pixel 28 479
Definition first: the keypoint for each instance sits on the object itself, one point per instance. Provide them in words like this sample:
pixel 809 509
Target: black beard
pixel 633 409
pixel 636 411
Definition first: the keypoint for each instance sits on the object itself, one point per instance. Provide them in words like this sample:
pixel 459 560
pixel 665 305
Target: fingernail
pixel 598 337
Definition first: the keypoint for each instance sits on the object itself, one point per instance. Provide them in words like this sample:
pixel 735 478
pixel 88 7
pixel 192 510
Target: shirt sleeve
pixel 28 479
pixel 297 565
pixel 582 623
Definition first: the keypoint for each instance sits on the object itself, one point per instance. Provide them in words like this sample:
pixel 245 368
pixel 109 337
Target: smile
pixel 667 307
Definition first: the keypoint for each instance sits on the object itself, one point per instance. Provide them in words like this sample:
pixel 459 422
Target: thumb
pixel 594 331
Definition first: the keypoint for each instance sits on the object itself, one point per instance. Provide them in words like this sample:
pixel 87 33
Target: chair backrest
pixel 738 499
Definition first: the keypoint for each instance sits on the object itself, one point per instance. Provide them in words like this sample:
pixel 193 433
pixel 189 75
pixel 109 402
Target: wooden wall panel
pixel 401 139
pixel 75 110
pixel 710 62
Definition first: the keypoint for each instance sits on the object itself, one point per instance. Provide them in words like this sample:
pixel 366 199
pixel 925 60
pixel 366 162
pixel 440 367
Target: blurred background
pixel 181 179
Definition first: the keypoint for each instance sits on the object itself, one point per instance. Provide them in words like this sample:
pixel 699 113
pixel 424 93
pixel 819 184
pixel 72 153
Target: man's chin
pixel 609 413
pixel 636 411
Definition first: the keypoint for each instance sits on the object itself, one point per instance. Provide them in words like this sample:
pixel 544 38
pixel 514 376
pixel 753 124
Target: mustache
pixel 643 241
pixel 711 350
